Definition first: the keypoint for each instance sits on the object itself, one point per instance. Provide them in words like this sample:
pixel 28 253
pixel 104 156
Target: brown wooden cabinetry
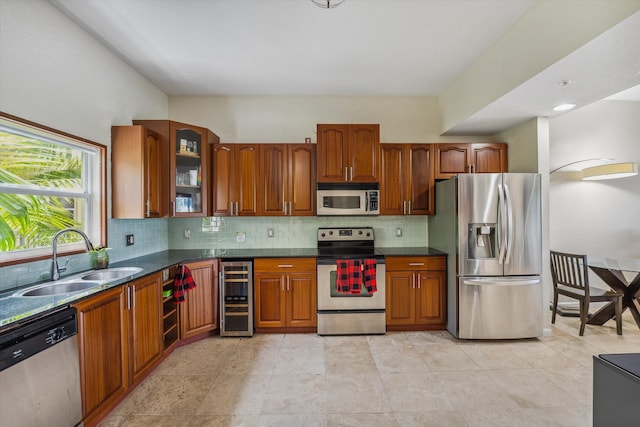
pixel 416 293
pixel 235 179
pixel 170 328
pixel 145 327
pixel 187 151
pixel 348 153
pixel 102 337
pixel 136 173
pixel 452 159
pixel 406 187
pixel 285 293
pixel 287 179
pixel 199 311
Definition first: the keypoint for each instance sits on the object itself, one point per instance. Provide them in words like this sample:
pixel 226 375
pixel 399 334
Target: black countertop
pixel 17 308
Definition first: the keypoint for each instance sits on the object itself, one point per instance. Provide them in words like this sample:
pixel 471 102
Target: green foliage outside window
pixel 37 179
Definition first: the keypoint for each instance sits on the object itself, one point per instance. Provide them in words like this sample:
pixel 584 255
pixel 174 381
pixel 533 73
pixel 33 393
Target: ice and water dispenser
pixel 482 241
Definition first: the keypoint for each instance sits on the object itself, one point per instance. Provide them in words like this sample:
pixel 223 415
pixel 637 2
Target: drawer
pixel 283 265
pixel 412 263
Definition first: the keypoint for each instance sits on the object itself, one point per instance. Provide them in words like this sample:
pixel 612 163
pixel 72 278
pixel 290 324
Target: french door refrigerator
pixel 490 226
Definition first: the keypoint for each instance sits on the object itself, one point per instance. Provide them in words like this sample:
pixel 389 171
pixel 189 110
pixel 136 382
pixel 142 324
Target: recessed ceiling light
pixel 564 107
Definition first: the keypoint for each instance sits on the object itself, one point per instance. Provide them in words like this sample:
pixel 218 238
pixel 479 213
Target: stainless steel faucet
pixel 55 269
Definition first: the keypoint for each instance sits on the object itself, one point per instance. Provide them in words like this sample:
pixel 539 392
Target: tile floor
pixel 398 379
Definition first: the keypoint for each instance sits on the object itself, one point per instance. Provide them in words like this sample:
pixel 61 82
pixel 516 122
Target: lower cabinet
pixel 416 293
pixel 120 339
pixel 285 293
pixel 199 311
pixel 102 339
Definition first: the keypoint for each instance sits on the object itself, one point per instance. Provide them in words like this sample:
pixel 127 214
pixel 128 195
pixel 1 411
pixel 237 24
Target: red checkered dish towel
pixel 349 276
pixel 182 283
pixel 370 275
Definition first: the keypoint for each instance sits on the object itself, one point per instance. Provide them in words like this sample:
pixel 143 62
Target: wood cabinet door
pixel 420 184
pixel 247 169
pixel 489 158
pixel 364 153
pixel 301 300
pixel 301 180
pixel 333 153
pixel 154 190
pixel 186 163
pixel 430 298
pixel 393 182
pixel 273 179
pixel 224 184
pixel 269 300
pixel 199 311
pixel 102 332
pixel 452 159
pixel 400 298
pixel 145 324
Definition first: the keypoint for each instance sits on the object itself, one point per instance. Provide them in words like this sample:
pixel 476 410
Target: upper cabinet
pixel 136 174
pixel 235 179
pixel 186 147
pixel 452 159
pixel 348 153
pixel 407 180
pixel 287 179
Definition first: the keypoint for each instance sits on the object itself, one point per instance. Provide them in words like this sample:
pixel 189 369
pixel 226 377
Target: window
pixel 49 181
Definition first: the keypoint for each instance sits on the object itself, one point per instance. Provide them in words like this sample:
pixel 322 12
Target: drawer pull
pixel 285 265
pixel 416 264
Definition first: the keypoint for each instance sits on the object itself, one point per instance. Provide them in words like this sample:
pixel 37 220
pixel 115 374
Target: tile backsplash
pixel 154 235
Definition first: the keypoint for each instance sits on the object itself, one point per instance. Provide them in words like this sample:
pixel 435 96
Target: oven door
pixel 330 299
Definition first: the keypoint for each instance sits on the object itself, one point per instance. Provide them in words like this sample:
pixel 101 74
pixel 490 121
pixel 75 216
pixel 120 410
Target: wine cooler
pixel 236 299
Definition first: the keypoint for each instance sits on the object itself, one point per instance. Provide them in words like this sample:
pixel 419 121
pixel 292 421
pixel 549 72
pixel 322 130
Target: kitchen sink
pixel 60 288
pixel 111 273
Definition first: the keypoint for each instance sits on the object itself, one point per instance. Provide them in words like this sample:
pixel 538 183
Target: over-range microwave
pixel 348 199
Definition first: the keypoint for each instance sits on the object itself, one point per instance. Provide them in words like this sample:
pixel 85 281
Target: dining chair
pixel 570 276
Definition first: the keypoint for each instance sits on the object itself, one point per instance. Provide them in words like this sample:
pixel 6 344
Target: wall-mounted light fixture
pixel 610 171
pixel 600 169
pixel 327 4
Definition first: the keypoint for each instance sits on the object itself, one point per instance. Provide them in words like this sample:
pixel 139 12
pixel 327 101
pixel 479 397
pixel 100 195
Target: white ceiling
pixel 362 47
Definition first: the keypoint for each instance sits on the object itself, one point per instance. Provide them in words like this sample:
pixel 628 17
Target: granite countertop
pixel 14 309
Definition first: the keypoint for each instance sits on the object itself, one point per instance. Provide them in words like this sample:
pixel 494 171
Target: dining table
pixel 612 272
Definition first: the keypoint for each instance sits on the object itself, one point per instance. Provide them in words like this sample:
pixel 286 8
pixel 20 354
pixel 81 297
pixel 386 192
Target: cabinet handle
pixel 416 264
pixel 288 283
pixel 351 173
pixel 290 209
pixel 133 296
pixel 404 207
pixel 282 282
pixel 148 208
pixel 284 207
pixel 285 265
pixel 409 205
pixel 413 280
pixel 418 280
pixel 231 208
pixel 236 208
pixel 346 173
pixel 128 298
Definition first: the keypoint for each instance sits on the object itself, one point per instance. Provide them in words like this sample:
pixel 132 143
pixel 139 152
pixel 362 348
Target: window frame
pixel 98 219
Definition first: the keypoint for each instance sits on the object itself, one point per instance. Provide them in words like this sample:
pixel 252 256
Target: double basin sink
pixel 78 283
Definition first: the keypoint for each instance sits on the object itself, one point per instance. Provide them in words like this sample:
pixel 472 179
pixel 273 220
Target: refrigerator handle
pixel 501 224
pixel 509 224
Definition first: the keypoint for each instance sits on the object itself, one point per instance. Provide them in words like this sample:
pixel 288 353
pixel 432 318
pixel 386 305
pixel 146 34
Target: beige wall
pixel 413 119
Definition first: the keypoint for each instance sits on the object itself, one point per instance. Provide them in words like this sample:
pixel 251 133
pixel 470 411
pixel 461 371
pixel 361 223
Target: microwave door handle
pixel 366 201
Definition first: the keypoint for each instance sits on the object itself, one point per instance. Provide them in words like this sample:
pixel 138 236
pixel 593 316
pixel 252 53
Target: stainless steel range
pixel 352 312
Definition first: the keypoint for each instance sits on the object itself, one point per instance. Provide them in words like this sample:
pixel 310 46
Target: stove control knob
pixel 322 234
pixel 331 233
pixel 368 234
pixel 360 232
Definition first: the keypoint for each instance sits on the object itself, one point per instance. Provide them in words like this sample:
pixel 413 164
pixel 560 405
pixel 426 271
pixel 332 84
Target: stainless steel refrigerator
pixel 490 226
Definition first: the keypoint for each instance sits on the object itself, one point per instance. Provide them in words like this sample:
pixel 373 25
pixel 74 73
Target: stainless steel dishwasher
pixel 40 373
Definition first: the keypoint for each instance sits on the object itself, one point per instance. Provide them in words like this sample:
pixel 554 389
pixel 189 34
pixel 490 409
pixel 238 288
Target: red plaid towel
pixel 369 274
pixel 349 276
pixel 182 283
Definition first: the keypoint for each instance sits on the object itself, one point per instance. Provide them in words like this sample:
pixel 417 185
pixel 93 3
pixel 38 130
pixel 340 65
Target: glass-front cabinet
pixel 187 177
